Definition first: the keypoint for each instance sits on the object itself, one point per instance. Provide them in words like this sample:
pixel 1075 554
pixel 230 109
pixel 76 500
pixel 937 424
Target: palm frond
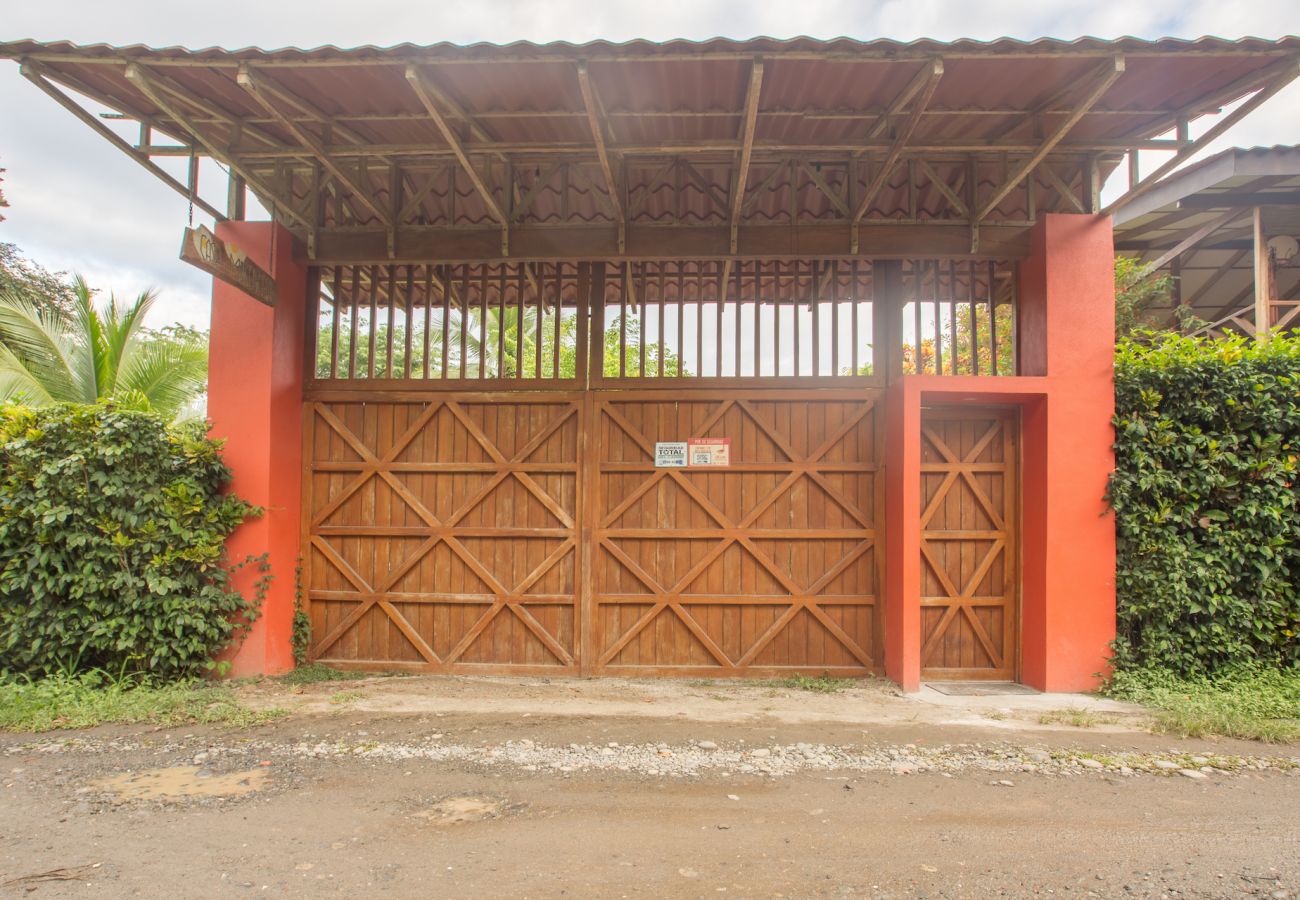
pixel 168 375
pixel 36 340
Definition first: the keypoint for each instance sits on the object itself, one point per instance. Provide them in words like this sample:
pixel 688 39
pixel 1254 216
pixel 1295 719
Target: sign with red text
pixel 704 453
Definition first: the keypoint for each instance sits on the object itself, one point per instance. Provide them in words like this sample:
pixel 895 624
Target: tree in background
pixel 49 355
pixel 1137 290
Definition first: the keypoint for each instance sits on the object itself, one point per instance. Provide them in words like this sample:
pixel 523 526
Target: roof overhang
pixel 717 149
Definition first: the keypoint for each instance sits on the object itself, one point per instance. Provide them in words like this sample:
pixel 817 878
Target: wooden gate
pixel 969 501
pixel 767 565
pixel 441 532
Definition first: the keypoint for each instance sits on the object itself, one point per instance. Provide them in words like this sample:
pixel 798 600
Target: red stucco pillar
pixel 255 405
pixel 1066 395
pixel 1067 288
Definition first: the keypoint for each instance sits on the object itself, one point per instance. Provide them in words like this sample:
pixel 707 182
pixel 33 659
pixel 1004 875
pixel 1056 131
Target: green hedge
pixel 112 530
pixel 1205 503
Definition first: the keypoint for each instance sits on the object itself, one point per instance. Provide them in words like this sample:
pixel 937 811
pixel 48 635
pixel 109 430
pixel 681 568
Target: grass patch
pixel 1072 715
pixel 1255 704
pixel 343 697
pixel 313 673
pixel 90 699
pixel 821 684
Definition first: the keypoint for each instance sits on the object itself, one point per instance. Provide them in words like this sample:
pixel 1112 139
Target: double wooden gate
pixel 531 532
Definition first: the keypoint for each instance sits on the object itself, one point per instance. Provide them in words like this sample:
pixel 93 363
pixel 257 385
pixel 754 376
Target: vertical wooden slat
pixel 410 289
pixel 699 321
pixel 835 321
pixel 856 300
pixel 392 315
pixel 641 326
pixel 757 289
pixel 993 322
pixel 661 337
pixel 681 322
pixel 624 287
pixel 724 289
pixel 974 320
pixel 374 317
pixel 816 318
pixel 539 343
pixel 938 326
pixel 334 322
pixel 952 313
pixel 428 315
pixel 465 322
pixel 918 275
pixel 796 297
pixel 483 321
pixel 589 307
pixel 352 333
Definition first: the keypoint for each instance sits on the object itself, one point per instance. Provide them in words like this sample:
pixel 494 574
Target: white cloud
pixel 80 204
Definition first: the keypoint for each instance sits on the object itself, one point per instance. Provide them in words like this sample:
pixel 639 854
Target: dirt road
pixel 395 789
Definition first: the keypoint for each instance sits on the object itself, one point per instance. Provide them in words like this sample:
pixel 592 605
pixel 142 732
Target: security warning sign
pixel 708 452
pixel 670 455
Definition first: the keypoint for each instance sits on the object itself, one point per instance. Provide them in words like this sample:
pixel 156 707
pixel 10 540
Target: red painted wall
pixel 1068 535
pixel 255 406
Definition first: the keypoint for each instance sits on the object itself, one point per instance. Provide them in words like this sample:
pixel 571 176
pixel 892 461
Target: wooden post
pixel 1263 278
pixel 887 319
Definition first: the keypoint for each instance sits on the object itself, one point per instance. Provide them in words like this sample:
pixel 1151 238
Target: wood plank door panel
pixel 969 522
pixel 441 534
pixel 766 566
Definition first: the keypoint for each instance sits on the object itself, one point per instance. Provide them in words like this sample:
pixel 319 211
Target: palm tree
pixel 92 354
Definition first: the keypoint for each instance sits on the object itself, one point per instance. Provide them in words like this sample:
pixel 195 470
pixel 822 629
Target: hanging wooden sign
pixel 203 249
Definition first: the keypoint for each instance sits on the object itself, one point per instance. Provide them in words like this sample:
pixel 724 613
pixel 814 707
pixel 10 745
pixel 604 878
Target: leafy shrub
pixel 112 530
pixel 1246 702
pixel 1205 503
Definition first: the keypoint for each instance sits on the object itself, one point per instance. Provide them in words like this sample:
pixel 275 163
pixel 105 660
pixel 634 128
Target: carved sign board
pixel 226 261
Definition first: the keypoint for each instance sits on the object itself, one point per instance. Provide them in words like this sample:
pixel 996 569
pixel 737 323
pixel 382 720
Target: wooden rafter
pixel 749 119
pixel 1193 239
pixel 596 121
pixel 262 89
pixel 918 92
pixel 426 93
pixel 152 86
pixel 1107 74
pixel 1268 83
pixel 36 74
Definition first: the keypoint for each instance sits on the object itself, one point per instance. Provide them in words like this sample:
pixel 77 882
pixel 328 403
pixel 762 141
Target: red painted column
pixel 1068 616
pixel 1066 395
pixel 255 373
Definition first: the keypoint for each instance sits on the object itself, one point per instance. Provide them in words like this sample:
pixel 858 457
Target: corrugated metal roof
pixel 821 104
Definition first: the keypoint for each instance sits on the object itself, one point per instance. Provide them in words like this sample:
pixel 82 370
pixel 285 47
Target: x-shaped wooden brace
pixel 670 598
pixel 443 532
pixel 963 598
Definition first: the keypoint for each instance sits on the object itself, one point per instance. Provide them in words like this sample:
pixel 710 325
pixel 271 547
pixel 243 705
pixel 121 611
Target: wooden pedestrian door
pixel 969 568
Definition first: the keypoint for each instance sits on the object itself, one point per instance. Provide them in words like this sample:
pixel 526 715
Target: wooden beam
pixel 1215 277
pixel 1240 198
pixel 1192 239
pixel 596 121
pixel 1106 75
pixel 740 175
pixel 422 244
pixel 921 88
pixel 1280 74
pixel 150 85
pixel 426 93
pixel 36 74
pixel 262 89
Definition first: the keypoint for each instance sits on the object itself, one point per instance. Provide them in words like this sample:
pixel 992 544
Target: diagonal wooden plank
pixel 540 570
pixel 995 658
pixel 409 632
pixel 834 571
pixel 843 502
pixel 651 583
pixel 940 628
pixel 761 507
pixel 342 628
pixel 769 635
pixel 345 569
pixel 938 443
pixel 628 636
pixel 471 634
pixel 982 569
pixel 536 441
pixel 367 455
pixel 632 496
pixel 409 498
pixel 840 635
pixel 769 431
pixel 343 496
pixel 700 634
pixel 940 495
pixel 477 497
pixel 478 568
pixel 972 455
pixel 475 432
pixel 772 568
pixel 548 640
pixel 844 428
pixel 949 588
pixel 544 498
pixel 983 499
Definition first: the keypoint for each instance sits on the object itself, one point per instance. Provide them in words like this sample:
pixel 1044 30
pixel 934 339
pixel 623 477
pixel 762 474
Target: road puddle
pixel 181 782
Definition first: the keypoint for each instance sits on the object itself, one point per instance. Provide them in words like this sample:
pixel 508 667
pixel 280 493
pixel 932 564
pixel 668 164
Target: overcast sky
pixel 79 204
